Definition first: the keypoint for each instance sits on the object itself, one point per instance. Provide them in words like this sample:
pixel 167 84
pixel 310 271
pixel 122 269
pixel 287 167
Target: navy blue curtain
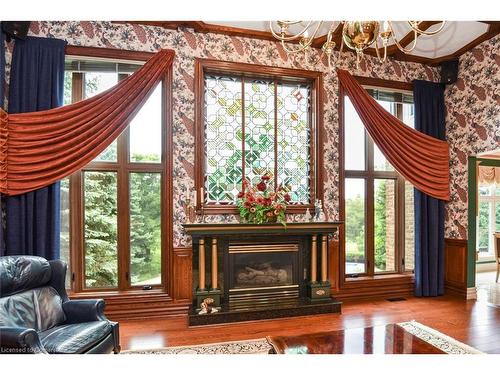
pixel 2 93
pixel 429 212
pixel 36 83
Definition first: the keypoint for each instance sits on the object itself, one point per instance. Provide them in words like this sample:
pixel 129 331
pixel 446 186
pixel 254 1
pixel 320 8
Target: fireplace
pixel 249 272
pixel 262 273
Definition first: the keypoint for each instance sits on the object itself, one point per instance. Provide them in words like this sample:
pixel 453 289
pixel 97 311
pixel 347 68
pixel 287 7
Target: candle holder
pixel 190 212
pixel 201 215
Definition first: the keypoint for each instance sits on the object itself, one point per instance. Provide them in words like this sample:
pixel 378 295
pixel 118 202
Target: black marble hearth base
pixel 300 307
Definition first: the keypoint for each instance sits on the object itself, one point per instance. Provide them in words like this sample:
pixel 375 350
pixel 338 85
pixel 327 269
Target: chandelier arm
pixel 316 31
pixel 396 42
pixel 289 50
pixel 292 37
pixel 425 32
pixel 378 52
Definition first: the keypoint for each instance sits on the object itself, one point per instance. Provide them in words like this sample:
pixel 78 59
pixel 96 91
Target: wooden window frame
pixel 123 167
pixel 369 175
pixel 314 78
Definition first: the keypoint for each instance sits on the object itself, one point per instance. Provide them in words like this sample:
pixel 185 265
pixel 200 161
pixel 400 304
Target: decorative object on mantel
pixel 189 210
pixel 308 216
pixel 319 215
pixel 356 35
pixel 206 307
pixel 259 204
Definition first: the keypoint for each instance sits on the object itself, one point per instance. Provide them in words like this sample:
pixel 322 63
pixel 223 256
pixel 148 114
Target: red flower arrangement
pixel 258 204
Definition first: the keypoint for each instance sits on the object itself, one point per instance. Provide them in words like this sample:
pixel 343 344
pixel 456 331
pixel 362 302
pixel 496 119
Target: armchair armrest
pixel 84 310
pixel 19 340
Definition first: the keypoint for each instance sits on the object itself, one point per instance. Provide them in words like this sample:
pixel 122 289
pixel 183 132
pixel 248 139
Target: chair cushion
pixel 39 308
pixel 74 338
pixel 19 273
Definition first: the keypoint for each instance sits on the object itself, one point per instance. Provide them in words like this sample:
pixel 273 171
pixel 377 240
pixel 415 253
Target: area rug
pixel 260 346
pixel 441 341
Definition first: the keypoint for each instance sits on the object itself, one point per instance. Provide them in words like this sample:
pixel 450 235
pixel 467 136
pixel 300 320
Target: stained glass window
pixel 252 127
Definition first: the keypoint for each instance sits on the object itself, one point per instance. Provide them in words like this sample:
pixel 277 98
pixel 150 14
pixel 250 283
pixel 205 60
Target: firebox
pixel 260 274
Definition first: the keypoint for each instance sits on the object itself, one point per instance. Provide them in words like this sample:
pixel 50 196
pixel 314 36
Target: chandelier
pixel 356 35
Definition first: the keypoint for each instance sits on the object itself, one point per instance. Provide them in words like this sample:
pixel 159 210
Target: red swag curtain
pixel 39 148
pixel 421 159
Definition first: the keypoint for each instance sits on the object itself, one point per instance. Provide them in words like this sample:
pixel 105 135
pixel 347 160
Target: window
pixel 378 208
pixel 112 229
pixel 254 120
pixel 489 219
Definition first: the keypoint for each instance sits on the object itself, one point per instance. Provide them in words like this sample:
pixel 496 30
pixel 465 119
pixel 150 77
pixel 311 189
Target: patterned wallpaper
pixel 189 45
pixel 472 123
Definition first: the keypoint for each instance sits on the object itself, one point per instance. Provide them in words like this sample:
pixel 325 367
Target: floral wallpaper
pixel 189 44
pixel 472 123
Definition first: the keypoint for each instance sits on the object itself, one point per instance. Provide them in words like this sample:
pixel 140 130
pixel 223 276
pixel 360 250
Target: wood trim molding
pixel 383 286
pixel 108 53
pixel 378 82
pixel 455 266
pixel 393 52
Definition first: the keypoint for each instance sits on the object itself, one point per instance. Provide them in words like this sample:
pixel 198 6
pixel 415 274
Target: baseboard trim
pixel 471 293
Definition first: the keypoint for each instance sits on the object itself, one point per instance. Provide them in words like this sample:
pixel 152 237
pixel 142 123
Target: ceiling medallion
pixel 356 35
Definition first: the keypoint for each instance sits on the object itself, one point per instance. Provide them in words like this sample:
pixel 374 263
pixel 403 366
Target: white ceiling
pixel 454 35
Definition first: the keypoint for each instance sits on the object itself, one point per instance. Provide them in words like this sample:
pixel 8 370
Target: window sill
pixel 390 277
pixel 233 210
pixel 127 294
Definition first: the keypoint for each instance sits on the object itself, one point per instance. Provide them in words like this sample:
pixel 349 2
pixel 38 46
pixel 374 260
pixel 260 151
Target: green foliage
pixel 380 228
pixel 355 229
pixel 101 227
pixel 145 226
pixel 259 206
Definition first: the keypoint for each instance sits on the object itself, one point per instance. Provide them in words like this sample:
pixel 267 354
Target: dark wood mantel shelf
pixel 208 229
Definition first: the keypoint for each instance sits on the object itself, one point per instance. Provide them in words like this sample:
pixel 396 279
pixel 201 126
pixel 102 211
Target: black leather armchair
pixel 36 315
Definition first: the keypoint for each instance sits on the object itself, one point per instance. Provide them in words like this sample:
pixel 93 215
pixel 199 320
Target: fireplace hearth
pixel 260 271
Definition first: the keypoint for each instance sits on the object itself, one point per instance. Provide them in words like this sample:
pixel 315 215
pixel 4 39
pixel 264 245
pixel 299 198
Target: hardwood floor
pixel 474 323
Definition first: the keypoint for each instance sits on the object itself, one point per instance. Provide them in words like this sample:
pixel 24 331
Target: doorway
pixel 484 226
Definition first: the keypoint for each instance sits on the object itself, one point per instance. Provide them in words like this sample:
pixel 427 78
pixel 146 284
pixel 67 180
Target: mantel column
pixel 314 257
pixel 324 258
pixel 201 264
pixel 214 272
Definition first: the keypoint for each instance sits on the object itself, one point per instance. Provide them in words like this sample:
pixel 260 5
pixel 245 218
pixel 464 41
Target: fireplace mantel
pixel 209 229
pixel 260 270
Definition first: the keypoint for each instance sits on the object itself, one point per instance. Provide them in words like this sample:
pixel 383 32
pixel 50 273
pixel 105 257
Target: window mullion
pixel 370 207
pixel 275 134
pixel 242 130
pixel 77 245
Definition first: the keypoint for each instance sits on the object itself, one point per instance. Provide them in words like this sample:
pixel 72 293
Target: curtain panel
pixel 419 158
pixel 36 83
pixel 489 175
pixel 429 211
pixel 40 148
pixel 2 97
